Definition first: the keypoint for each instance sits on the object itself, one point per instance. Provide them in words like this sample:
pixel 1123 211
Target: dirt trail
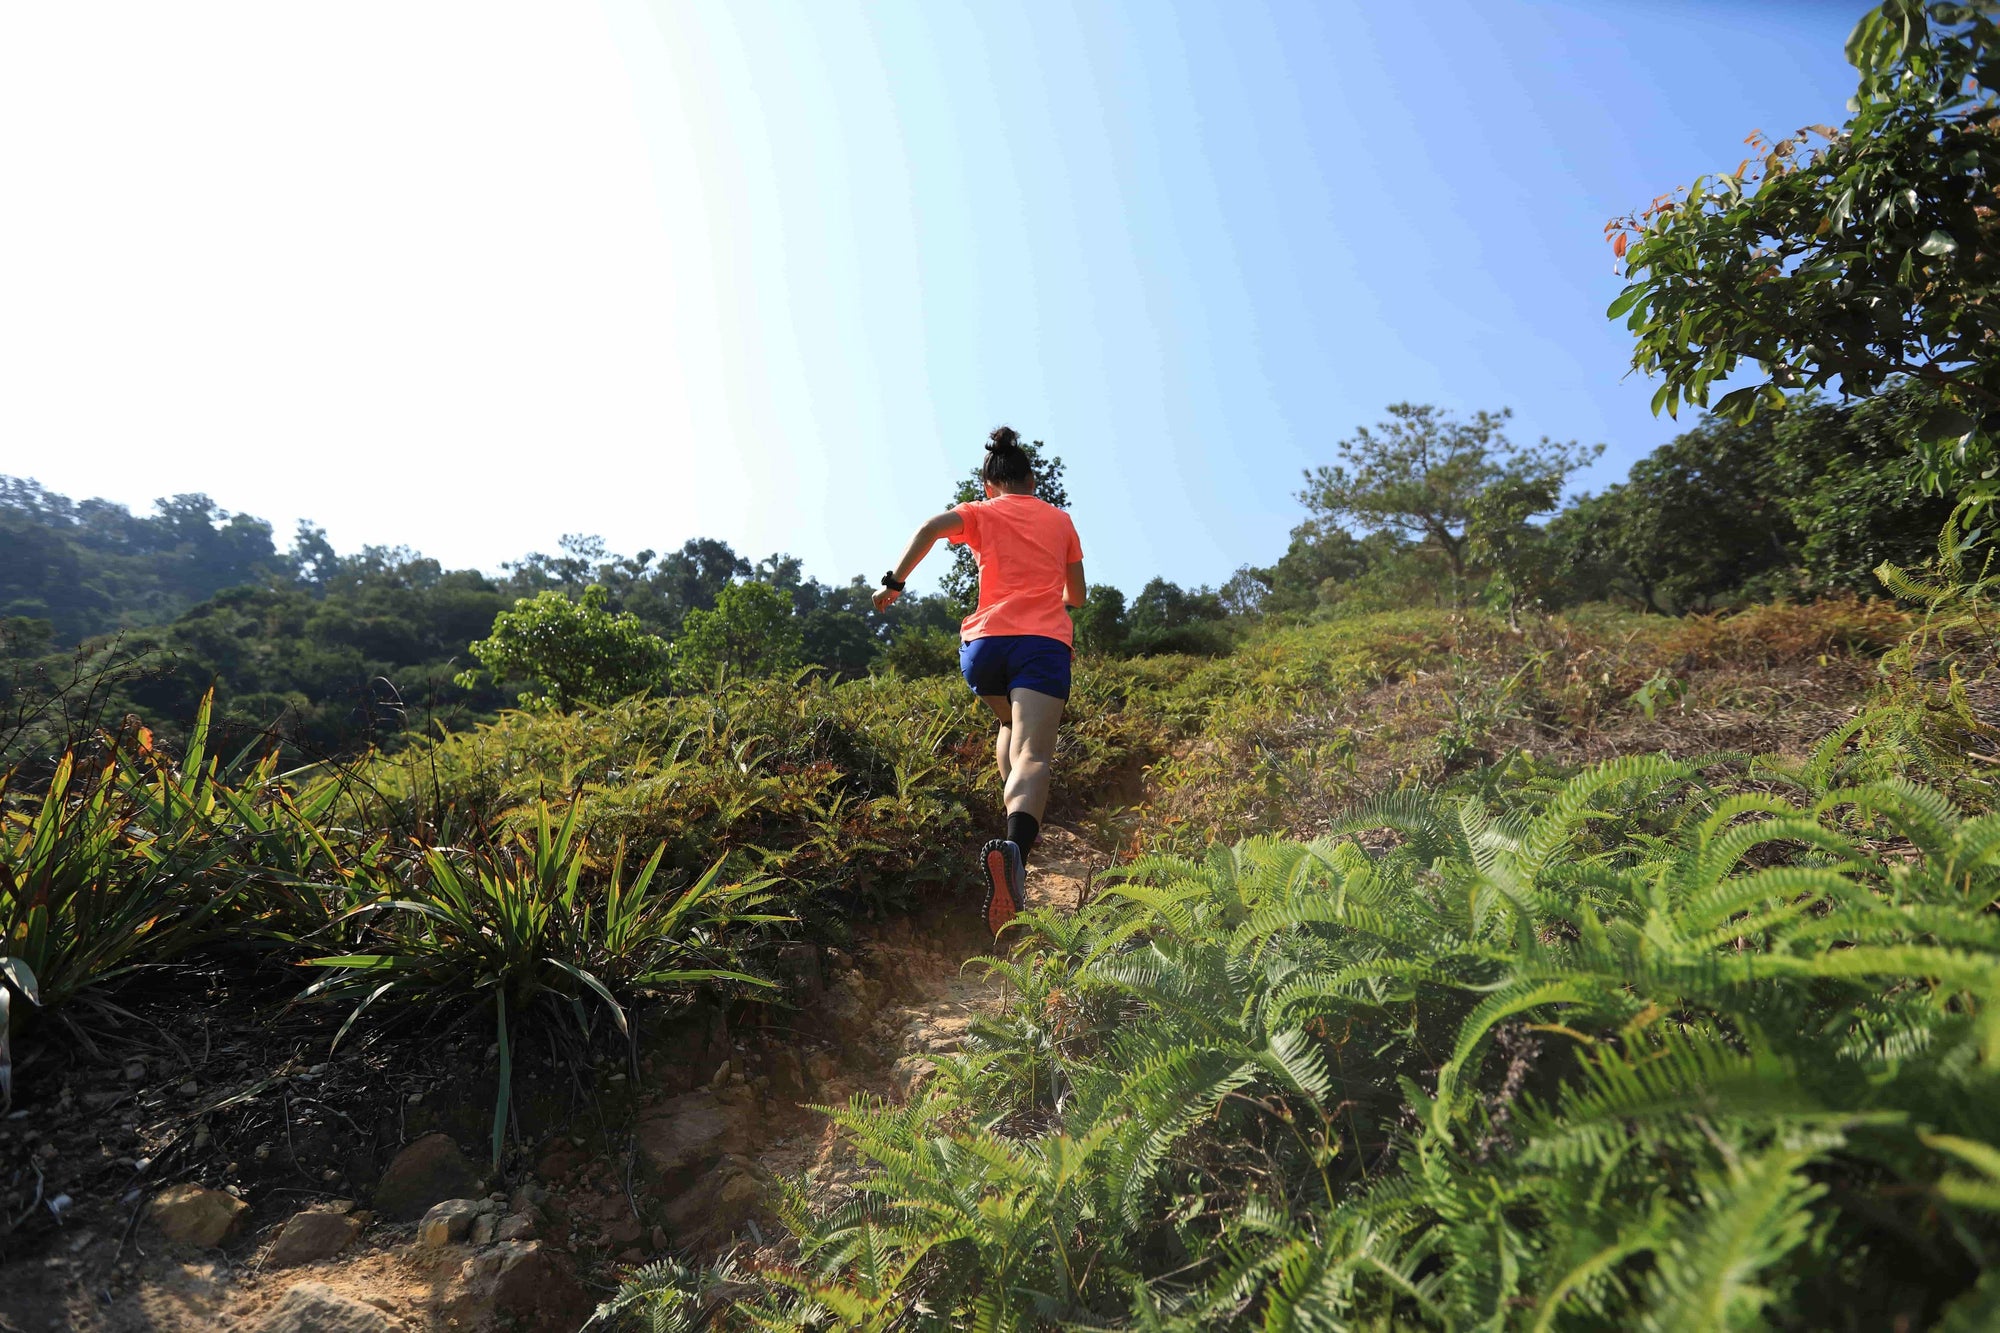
pixel 882 1012
pixel 942 998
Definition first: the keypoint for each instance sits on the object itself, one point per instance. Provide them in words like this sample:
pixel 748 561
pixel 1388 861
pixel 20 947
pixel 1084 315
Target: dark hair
pixel 1006 461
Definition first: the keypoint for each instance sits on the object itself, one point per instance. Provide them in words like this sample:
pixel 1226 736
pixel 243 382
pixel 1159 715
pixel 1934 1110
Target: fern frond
pixel 1710 1274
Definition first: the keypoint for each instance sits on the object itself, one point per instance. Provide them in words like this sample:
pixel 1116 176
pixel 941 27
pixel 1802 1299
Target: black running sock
pixel 1022 830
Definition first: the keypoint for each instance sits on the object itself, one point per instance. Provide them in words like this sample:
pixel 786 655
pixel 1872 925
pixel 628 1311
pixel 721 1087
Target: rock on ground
pixel 718 1204
pixel 685 1134
pixel 314 1307
pixel 909 1073
pixel 449 1222
pixel 194 1215
pixel 851 1005
pixel 518 1284
pixel 427 1171
pixel 311 1236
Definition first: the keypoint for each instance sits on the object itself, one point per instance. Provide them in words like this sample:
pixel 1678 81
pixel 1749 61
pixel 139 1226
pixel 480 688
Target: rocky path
pixel 923 1000
pixel 683 1161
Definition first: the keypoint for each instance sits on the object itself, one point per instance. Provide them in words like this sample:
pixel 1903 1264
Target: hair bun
pixel 1007 463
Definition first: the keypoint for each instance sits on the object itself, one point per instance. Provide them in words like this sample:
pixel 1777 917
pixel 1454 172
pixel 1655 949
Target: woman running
pixel 1015 651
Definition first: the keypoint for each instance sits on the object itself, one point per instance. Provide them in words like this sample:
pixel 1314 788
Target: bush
pixel 575 652
pixel 918 653
pixel 87 895
pixel 126 861
pixel 512 921
pixel 855 795
pixel 119 862
pixel 751 632
pixel 1782 633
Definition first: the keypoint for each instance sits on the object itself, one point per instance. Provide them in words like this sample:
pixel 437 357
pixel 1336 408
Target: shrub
pixel 751 632
pixel 854 795
pixel 917 653
pixel 575 652
pixel 113 867
pixel 81 902
pixel 512 922
pixel 1784 633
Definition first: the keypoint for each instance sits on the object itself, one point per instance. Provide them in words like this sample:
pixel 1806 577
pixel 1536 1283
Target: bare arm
pixel 1073 595
pixel 944 525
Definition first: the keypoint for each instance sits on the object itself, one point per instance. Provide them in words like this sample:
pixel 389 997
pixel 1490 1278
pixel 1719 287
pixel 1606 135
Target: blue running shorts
pixel 1007 662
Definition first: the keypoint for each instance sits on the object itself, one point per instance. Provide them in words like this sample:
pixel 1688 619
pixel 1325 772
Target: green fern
pixel 1568 1068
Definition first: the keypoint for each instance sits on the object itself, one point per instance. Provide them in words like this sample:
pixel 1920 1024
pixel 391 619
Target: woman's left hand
pixel 884 596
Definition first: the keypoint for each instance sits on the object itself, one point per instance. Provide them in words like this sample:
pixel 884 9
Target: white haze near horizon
pixel 403 277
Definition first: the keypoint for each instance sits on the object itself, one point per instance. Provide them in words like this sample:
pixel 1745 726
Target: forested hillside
pixel 1509 909
pixel 337 651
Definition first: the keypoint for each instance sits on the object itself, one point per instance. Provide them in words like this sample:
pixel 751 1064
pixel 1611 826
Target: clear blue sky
pixel 767 271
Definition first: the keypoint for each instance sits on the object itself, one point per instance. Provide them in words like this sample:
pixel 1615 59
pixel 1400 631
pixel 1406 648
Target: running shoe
pixel 1006 879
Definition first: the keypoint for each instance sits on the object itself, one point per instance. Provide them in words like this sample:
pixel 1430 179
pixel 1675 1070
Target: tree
pixel 576 653
pixel 1807 500
pixel 313 556
pixel 25 636
pixel 1244 593
pixel 1852 484
pixel 1167 618
pixel 1696 520
pixel 1320 553
pixel 583 555
pixel 88 567
pixel 1868 258
pixel 661 594
pixel 1422 472
pixel 1525 565
pixel 1100 621
pixel 693 578
pixel 750 632
pixel 960 584
pixel 918 652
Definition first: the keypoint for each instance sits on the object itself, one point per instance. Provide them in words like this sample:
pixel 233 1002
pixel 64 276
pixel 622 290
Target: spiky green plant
pixel 512 923
pixel 107 870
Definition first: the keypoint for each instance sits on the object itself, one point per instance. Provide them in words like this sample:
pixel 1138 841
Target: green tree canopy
pixel 1851 256
pixel 1422 474
pixel 1100 621
pixel 1695 521
pixel 751 632
pixel 661 592
pixel 91 566
pixel 1320 553
pixel 1809 499
pixel 575 652
pixel 1852 482
pixel 1167 618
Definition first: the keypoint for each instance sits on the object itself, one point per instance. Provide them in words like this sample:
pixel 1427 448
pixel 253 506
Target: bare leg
pixel 1033 747
pixel 1003 745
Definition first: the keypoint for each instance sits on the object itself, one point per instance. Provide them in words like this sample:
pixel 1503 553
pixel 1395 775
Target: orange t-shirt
pixel 1024 547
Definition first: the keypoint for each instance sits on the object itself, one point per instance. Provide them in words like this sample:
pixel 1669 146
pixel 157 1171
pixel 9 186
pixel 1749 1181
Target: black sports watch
pixel 891 582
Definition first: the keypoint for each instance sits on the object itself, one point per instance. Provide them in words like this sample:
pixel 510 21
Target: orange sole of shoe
pixel 999 902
